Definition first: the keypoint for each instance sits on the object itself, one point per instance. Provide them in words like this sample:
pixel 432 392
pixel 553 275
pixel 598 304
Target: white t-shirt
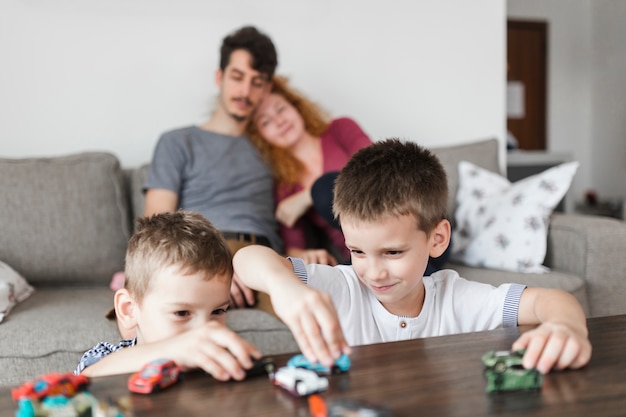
pixel 451 305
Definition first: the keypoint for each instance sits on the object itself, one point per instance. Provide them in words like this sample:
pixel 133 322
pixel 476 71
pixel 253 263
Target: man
pixel 213 168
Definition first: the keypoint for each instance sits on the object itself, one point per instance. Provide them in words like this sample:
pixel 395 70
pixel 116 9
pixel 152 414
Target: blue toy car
pixel 342 364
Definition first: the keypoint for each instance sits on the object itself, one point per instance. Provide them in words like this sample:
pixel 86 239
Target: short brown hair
pixel 256 43
pixel 184 239
pixel 392 178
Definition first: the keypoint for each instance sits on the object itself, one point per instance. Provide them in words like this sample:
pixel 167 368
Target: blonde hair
pixel 392 178
pixel 184 239
pixel 286 168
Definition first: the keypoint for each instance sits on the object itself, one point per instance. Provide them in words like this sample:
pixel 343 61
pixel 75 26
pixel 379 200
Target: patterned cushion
pixel 13 289
pixel 502 225
pixel 483 153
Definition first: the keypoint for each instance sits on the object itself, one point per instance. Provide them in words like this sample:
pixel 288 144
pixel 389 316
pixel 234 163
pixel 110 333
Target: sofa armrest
pixel 593 248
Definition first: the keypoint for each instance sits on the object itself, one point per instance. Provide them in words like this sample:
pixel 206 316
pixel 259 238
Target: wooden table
pixel 439 376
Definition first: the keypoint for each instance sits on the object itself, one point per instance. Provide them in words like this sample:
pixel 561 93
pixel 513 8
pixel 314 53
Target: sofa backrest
pixel 136 178
pixel 64 219
pixel 483 153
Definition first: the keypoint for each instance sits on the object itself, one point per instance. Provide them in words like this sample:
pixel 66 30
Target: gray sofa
pixel 65 222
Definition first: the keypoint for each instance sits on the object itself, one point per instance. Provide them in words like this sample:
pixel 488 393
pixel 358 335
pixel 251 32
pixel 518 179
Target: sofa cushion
pixel 553 279
pixel 504 225
pixel 137 179
pixel 64 219
pixel 482 153
pixel 13 289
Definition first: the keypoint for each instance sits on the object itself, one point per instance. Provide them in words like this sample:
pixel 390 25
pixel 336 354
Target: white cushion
pixel 13 289
pixel 503 225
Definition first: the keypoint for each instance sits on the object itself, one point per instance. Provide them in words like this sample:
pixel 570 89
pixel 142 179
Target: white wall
pixel 113 74
pixel 608 137
pixel 586 87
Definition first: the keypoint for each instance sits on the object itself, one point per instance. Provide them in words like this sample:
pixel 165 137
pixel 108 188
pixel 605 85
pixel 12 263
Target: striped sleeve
pixel 511 305
pixel 299 269
pixel 99 351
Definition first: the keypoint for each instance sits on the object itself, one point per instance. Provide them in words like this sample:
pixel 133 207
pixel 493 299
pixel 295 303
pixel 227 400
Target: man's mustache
pixel 244 99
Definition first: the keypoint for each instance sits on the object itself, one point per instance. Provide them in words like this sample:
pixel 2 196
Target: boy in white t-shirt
pixel 391 201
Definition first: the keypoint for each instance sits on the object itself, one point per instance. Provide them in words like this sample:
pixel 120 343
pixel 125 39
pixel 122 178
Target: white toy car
pixel 299 381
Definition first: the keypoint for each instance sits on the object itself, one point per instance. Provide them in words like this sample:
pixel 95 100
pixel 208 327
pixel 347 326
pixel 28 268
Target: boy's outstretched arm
pixel 309 314
pixel 561 339
pixel 212 347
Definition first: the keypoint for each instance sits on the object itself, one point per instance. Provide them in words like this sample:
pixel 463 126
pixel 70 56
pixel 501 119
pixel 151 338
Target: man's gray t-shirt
pixel 220 176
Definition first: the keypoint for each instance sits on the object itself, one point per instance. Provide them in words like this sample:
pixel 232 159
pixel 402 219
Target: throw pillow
pixel 13 289
pixel 502 225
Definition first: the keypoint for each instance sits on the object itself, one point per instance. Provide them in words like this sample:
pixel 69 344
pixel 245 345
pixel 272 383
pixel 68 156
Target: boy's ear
pixel 440 238
pixel 125 312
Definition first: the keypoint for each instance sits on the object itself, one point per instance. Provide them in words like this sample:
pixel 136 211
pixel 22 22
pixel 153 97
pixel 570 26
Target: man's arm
pixel 309 314
pixel 160 201
pixel 561 339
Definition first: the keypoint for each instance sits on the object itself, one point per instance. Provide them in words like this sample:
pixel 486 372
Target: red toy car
pixel 154 376
pixel 51 384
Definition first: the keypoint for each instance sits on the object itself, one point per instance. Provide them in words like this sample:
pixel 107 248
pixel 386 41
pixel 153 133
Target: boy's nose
pixel 375 271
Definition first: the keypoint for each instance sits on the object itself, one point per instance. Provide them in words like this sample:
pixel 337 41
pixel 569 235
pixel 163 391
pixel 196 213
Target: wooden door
pixel 527 52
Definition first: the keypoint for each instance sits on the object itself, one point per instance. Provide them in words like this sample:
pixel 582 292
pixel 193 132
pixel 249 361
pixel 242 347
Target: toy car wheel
pixel 300 387
pixel 499 367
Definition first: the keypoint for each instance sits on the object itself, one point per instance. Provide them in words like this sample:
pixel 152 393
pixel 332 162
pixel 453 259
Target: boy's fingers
pixel 220 360
pixel 244 352
pixel 570 353
pixel 311 327
pixel 303 339
pixel 331 330
pixel 213 368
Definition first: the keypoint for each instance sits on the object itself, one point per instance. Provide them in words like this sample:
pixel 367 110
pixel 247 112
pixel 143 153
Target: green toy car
pixel 504 372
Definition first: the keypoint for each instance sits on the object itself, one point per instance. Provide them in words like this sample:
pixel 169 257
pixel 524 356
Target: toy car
pixel 342 364
pixel 260 367
pixel 154 376
pixel 504 372
pixel 299 381
pixel 51 384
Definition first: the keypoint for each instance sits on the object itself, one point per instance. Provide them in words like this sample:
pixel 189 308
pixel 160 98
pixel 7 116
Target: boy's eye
pixel 394 252
pixel 356 252
pixel 182 313
pixel 219 312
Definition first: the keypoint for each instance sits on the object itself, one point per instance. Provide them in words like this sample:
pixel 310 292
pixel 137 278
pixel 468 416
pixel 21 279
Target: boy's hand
pixel 554 345
pixel 214 348
pixel 312 318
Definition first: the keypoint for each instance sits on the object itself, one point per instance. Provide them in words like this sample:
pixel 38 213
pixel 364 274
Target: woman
pixel 306 151
pixel 302 144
